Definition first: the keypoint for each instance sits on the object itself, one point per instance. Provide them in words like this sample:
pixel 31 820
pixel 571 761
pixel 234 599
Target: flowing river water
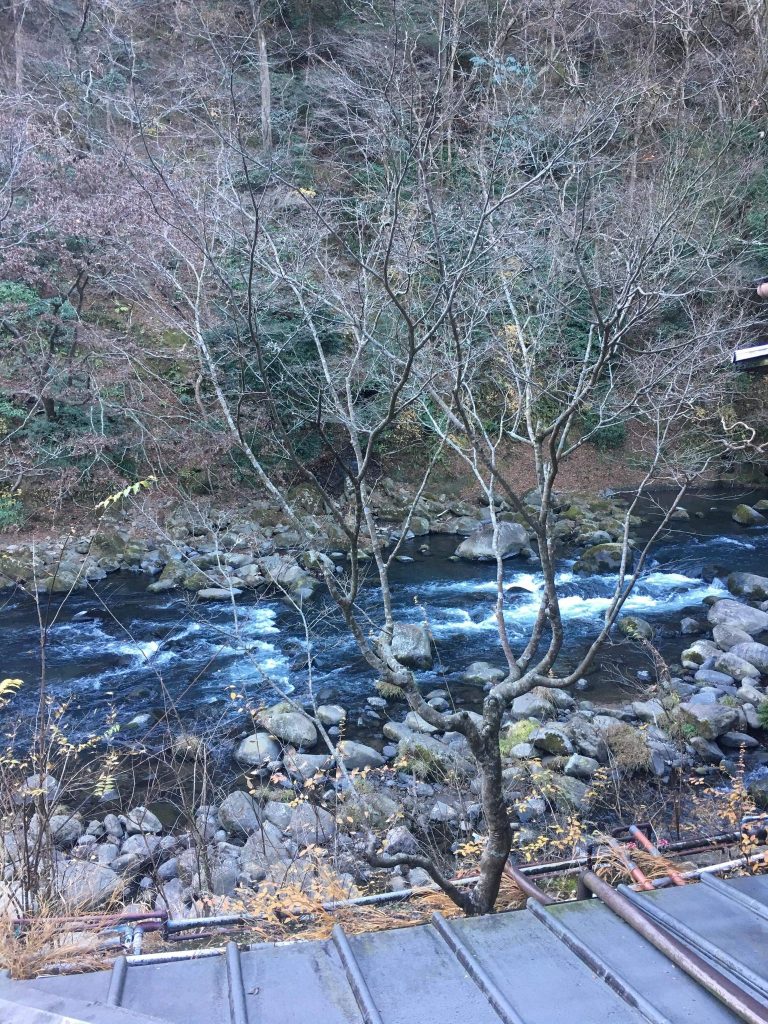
pixel 119 647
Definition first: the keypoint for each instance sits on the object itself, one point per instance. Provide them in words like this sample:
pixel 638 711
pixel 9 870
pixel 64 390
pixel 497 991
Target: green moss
pixel 520 732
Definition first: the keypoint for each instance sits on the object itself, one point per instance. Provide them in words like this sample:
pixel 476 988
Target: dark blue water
pixel 144 651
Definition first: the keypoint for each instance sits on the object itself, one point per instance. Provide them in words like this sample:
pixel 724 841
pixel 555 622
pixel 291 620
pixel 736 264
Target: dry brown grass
pixel 45 946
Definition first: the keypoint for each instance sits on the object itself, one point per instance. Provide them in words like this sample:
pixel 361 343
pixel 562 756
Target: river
pixel 119 647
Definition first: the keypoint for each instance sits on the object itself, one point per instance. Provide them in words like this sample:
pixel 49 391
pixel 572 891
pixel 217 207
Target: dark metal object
pixel 476 971
pixel 117 982
pixel 355 977
pixel 638 834
pixel 237 1008
pixel 744 1005
pixel 528 887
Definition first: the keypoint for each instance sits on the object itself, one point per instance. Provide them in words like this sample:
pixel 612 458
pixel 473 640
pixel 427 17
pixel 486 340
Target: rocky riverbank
pixel 415 788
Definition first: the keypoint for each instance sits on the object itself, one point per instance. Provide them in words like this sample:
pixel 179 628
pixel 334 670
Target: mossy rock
pixel 600 558
pixel 635 628
pixel 520 732
pixel 745 515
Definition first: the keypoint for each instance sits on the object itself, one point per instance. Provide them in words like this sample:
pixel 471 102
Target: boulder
pixel 289 725
pixel 140 819
pixel 263 849
pixel 735 740
pixel 731 664
pixel 708 677
pixel 85 885
pixel 581 767
pixel 358 755
pixel 310 824
pixel 587 739
pixel 482 546
pixel 533 705
pixel 238 814
pixel 442 813
pixel 552 739
pixel 218 593
pixel 417 724
pixel 635 627
pixel 65 830
pixel 708 720
pixel 567 793
pixel 412 645
pixel 727 637
pixel 331 714
pixel 699 652
pixel 600 558
pixel 748 585
pixel 401 840
pixel 756 654
pixel 648 710
pixel 706 750
pixel 305 766
pixel 480 673
pixel 758 790
pixel 745 515
pixel 737 615
pixel 258 750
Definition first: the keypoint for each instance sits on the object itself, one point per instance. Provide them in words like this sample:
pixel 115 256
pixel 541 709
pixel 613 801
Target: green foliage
pixel 762 714
pixel 11 511
pixel 520 732
pixel 608 437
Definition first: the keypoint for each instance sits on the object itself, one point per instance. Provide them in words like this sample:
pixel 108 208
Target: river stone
pixel 699 651
pixel 635 627
pixel 305 766
pixel 568 793
pixel 34 787
pixel 65 829
pixel 552 739
pixel 442 813
pixel 745 515
pixel 756 654
pixel 401 840
pixel 709 720
pixel 218 593
pixel 581 767
pixel 358 755
pixel 706 750
pixel 731 664
pixel 586 739
pixel 258 751
pixel 727 637
pixel 443 757
pixel 289 725
pixel 396 731
pixel 85 885
pixel 412 645
pixel 511 539
pixel 708 677
pixel 648 710
pixel 740 616
pixel 264 847
pixel 140 819
pixel 310 824
pixel 600 558
pixel 479 673
pixel 331 714
pixel 141 845
pixel 691 627
pixel 758 790
pixel 238 814
pixel 748 585
pixel 417 724
pixel 736 740
pixel 532 705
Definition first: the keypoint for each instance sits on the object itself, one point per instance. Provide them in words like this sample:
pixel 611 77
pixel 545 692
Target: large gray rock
pixel 552 739
pixel 400 840
pixel 738 615
pixel 581 767
pixel 745 515
pixel 85 885
pixel 709 720
pixel 587 739
pixel 727 637
pixel 358 755
pixel 756 654
pixel 699 652
pixel 482 546
pixel 140 819
pixel 533 705
pixel 731 664
pixel 600 558
pixel 412 645
pixel 331 714
pixel 417 724
pixel 748 585
pixel 289 725
pixel 310 824
pixel 567 793
pixel 238 814
pixel 64 829
pixel 305 766
pixel 635 627
pixel 479 673
pixel 259 750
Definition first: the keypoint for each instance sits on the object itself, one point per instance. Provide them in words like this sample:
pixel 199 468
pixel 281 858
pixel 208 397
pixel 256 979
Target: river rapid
pixel 117 648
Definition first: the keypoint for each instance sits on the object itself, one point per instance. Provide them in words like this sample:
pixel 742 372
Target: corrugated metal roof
pixel 576 962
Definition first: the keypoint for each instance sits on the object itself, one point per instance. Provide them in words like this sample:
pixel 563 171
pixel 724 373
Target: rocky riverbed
pixel 416 788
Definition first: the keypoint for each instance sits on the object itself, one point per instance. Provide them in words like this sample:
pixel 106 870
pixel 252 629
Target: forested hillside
pixel 228 228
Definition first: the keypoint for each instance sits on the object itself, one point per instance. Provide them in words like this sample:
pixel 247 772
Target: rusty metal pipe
pixel 528 887
pixel 637 833
pixel 739 1002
